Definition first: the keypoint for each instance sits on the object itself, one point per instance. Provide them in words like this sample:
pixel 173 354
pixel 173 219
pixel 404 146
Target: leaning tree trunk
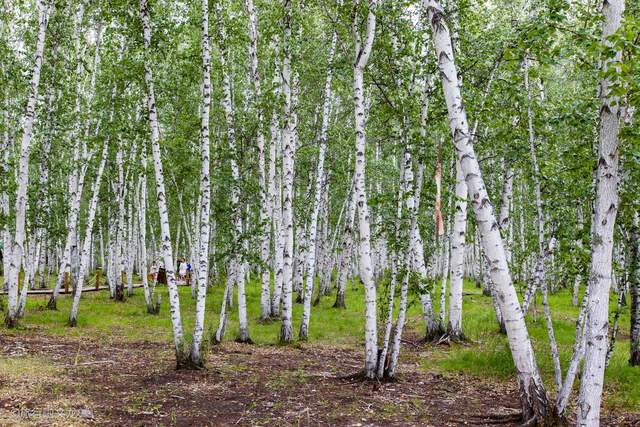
pixel 533 395
pixel 205 194
pixel 17 250
pixel 346 246
pixel 412 208
pixel 167 251
pixel 86 247
pixel 604 220
pixel 395 267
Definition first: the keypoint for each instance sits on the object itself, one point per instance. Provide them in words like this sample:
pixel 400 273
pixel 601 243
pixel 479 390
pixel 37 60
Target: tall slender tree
pixel 605 209
pixel 167 250
pixel 17 251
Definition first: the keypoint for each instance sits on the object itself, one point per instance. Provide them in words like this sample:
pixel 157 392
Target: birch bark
pixel 288 152
pixel 30 264
pixel 578 242
pixel 313 227
pixel 395 267
pixel 363 51
pixel 7 238
pixel 504 219
pixel 533 395
pixel 84 260
pixel 227 104
pixel 275 178
pixel 634 290
pixel 17 251
pixel 44 209
pixel 265 273
pixel 142 224
pixel 81 157
pixel 167 252
pixel 406 260
pixel 454 326
pixel 539 276
pixel 347 240
pixel 205 194
pixel 604 219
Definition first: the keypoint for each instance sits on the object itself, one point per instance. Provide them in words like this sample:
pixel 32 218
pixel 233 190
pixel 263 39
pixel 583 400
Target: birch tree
pixel 363 51
pixel 533 395
pixel 86 247
pixel 167 251
pixel 227 104
pixel 604 219
pixel 205 193
pixel 288 153
pixel 313 227
pixel 17 250
pixel 265 308
pixel 634 288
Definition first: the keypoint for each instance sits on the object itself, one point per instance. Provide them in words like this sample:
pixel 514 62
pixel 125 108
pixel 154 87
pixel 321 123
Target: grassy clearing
pixel 485 355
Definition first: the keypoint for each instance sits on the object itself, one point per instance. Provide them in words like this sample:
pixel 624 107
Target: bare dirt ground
pixel 62 381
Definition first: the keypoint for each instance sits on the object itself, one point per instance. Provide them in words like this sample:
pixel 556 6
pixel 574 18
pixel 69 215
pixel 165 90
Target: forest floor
pixel 117 368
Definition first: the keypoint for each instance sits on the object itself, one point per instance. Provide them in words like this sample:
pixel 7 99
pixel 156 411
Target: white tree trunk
pixel 81 157
pixel 577 281
pixel 7 238
pixel 42 236
pixel 454 326
pixel 205 193
pixel 395 267
pixel 84 257
pixel 288 153
pixel 634 291
pixel 363 50
pixel 227 104
pixel 539 272
pixel 265 212
pixel 533 395
pixel 275 178
pixel 504 220
pixel 346 247
pixel 433 328
pixel 167 252
pixel 17 249
pixel 313 227
pixel 406 184
pixel 142 225
pixel 604 219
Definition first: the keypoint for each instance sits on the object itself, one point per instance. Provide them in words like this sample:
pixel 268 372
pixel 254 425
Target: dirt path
pixel 57 382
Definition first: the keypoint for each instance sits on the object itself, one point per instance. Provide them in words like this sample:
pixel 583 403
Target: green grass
pixel 486 354
pixel 489 355
pixel 98 315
